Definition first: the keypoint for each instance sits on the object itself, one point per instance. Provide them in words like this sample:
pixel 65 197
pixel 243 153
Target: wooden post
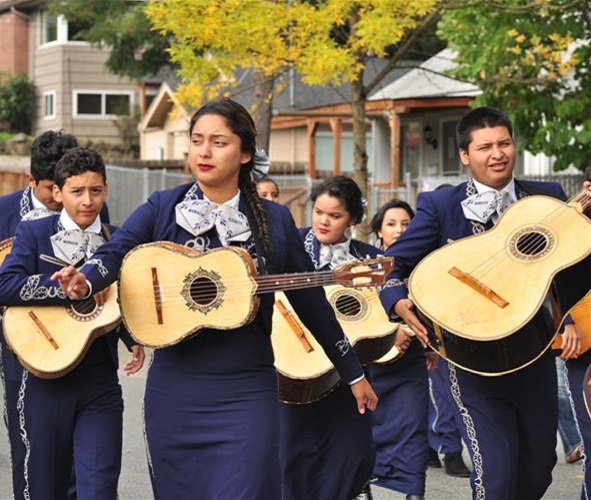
pixel 394 149
pixel 336 125
pixel 312 127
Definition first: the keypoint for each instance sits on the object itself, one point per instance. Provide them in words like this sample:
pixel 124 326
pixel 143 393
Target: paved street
pixel 135 484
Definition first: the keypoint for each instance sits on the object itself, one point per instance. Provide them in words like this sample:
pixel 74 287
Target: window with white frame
pixel 101 104
pixel 49 105
pixel 56 29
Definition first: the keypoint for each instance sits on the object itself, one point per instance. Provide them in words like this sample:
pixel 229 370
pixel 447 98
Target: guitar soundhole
pixel 84 310
pixel 531 243
pixel 203 291
pixel 347 305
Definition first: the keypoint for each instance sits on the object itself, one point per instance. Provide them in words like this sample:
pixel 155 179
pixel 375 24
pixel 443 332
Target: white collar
pixel 233 202
pixel 68 223
pixel 36 203
pixel 509 188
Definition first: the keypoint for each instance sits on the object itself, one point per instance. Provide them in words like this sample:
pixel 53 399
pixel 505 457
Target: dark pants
pixel 444 432
pixel 576 377
pixel 509 423
pixel 69 423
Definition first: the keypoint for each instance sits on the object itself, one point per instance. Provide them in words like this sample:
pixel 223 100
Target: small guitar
pixel 304 372
pixel 50 341
pixel 479 295
pixel 169 292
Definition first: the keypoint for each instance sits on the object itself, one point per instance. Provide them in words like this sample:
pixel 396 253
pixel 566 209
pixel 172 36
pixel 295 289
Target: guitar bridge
pixel 157 295
pixel 481 288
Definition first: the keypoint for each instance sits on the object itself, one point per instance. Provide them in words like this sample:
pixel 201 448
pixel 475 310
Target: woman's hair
pixel 241 123
pixel 378 218
pixel 265 179
pixel 346 190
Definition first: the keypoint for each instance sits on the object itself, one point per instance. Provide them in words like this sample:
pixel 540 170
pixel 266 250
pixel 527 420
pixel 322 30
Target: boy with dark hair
pixel 75 420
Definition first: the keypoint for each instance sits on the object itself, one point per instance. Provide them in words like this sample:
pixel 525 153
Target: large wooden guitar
pixel 168 292
pixel 479 296
pixel 50 341
pixel 304 372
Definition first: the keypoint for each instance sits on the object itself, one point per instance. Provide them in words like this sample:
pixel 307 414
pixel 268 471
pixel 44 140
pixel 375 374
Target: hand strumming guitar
pixel 73 283
pixel 404 309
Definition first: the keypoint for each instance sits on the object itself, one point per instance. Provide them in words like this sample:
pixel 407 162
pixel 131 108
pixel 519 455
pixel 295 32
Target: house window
pixel 102 104
pixel 410 153
pixel 49 25
pixel 49 105
pixel 57 29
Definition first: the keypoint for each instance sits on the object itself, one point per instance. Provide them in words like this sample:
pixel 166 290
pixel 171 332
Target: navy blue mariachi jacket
pixel 24 278
pixel 155 220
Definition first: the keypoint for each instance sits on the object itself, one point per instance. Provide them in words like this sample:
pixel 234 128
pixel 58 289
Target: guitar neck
pixel 280 282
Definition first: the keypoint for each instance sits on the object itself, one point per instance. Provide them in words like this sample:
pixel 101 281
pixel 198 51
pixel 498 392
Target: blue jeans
pixel 569 435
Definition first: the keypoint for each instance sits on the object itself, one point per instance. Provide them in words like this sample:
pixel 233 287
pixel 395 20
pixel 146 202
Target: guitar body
pixel 304 372
pixel 169 292
pixel 50 341
pixel 481 290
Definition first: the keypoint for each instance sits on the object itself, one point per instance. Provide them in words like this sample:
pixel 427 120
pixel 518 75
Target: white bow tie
pixel 199 216
pixel 334 255
pixel 72 245
pixel 481 207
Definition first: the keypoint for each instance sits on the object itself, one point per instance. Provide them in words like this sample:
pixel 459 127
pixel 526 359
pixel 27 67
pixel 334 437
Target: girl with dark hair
pixel 400 423
pixel 211 421
pixel 326 449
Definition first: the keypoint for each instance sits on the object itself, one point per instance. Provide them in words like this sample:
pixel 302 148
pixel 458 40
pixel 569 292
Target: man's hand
pixel 404 309
pixel 136 361
pixel 364 395
pixel 571 342
pixel 404 337
pixel 72 281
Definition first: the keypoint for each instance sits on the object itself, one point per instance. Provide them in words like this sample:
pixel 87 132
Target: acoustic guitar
pixel 304 372
pixel 169 292
pixel 50 341
pixel 479 296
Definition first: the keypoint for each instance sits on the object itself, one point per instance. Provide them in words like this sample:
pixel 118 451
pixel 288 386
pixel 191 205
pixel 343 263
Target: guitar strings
pixel 562 211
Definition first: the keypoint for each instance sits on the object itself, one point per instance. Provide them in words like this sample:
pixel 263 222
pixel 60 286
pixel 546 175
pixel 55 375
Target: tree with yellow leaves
pixel 327 41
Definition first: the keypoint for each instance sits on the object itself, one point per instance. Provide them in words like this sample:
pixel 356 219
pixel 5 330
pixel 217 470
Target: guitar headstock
pixel 370 272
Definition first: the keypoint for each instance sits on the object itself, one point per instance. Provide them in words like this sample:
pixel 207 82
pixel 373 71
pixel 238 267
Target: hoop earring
pixel 348 233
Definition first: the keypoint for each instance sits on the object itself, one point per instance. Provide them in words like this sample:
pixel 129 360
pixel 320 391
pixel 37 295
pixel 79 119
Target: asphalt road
pixel 135 484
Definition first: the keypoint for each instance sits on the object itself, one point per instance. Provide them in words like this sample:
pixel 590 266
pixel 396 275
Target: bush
pixel 17 102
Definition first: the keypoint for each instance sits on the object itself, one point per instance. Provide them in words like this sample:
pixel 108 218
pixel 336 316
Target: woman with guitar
pixel 211 420
pixel 326 449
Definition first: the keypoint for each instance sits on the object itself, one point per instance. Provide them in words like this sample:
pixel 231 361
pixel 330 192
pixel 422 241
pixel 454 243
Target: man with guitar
pixel 33 202
pixel 510 420
pixel 74 420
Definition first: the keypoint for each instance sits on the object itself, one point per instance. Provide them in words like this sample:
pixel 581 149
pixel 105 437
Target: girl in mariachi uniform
pixel 400 426
pixel 211 420
pixel 326 449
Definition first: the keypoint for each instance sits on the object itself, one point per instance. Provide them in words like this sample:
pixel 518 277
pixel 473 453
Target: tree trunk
pixel 262 107
pixel 359 145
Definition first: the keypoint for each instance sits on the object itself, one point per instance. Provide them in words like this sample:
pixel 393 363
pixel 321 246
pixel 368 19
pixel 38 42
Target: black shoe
pixel 455 466
pixel 364 494
pixel 415 497
pixel 433 459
